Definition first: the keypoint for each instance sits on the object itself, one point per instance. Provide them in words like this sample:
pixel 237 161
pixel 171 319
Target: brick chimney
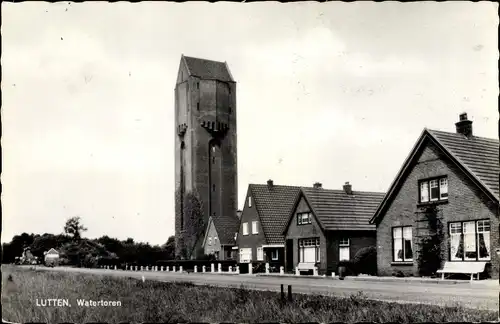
pixel 348 188
pixel 317 185
pixel 270 184
pixel 464 126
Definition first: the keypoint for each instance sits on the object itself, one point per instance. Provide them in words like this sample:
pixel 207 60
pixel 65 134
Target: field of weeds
pixel 152 301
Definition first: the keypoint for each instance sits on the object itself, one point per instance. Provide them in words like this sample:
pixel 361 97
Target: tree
pixel 74 227
pixel 194 223
pixel 430 253
pixel 45 242
pixel 169 248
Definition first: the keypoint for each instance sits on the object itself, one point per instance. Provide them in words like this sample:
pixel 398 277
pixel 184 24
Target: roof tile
pixel 274 205
pixel 479 154
pixel 207 69
pixel 337 210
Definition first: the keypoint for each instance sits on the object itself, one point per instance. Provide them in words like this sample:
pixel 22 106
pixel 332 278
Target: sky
pixel 326 92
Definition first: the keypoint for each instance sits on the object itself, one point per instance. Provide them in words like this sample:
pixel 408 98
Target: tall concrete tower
pixel 205 149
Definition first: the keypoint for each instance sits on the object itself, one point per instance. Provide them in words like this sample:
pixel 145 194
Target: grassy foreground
pixel 152 301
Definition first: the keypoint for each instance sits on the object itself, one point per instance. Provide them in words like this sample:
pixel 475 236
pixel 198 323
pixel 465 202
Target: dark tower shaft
pixel 205 149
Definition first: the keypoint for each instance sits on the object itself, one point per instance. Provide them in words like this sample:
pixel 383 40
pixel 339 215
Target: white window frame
pixel 209 241
pixel 249 201
pixel 247 256
pixel 215 240
pixel 426 187
pixel 245 228
pixel 402 237
pixel 304 218
pixel 255 229
pixel 275 255
pixel 308 242
pixel 424 192
pixel 458 231
pixel 260 253
pixel 344 245
pixel 433 184
pixel 443 188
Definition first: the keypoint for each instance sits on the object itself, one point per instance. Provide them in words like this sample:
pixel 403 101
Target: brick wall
pixel 248 215
pixel 465 202
pixel 214 244
pixel 357 241
pixel 296 232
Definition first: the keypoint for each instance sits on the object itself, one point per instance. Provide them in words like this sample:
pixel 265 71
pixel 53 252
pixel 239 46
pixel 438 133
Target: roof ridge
pixel 203 59
pixel 461 135
pixel 342 190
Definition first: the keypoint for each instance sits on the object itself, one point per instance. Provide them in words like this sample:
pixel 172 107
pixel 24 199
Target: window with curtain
pixel 304 218
pixel 260 254
pixel 470 241
pixel 245 255
pixel 433 190
pixel 309 250
pixel 402 243
pixel 344 253
pixel 255 230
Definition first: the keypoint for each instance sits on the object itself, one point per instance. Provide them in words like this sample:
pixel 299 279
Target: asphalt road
pixel 471 295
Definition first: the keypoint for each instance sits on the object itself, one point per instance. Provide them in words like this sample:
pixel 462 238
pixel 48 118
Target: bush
pixel 350 268
pixel 365 261
pixel 89 261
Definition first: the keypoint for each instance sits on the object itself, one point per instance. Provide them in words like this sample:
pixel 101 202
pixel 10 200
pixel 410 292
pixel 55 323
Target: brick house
pixel 265 213
pixel 219 238
pixel 457 173
pixel 327 226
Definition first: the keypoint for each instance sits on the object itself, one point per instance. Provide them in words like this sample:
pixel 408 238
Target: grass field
pixel 152 301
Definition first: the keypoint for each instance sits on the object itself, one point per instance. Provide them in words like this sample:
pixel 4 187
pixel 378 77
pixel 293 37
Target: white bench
pixel 463 267
pixel 305 266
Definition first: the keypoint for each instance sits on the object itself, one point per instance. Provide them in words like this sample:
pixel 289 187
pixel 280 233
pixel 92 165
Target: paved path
pixel 472 295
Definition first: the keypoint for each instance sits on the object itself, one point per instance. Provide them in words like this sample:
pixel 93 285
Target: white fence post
pixel 116 268
pixel 297 272
pixel 195 269
pixel 168 268
pixel 203 269
pixel 333 274
pixel 238 269
pixel 220 268
pixel 282 270
pixel 250 268
pixel 267 268
pixel 230 269
pixel 315 273
pixel 212 267
pixel 173 269
pixel 180 269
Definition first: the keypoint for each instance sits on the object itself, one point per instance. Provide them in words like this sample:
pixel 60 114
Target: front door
pixel 289 255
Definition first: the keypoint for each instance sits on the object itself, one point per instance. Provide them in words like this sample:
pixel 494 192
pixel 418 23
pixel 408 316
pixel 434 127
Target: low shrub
pixel 350 268
pixel 365 261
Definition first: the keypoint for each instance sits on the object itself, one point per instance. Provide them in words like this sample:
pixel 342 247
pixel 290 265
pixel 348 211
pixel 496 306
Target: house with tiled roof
pixel 265 213
pixel 220 237
pixel 328 226
pixel 456 177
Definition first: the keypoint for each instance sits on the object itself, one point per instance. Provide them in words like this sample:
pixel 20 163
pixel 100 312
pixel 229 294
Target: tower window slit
pixel 213 187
